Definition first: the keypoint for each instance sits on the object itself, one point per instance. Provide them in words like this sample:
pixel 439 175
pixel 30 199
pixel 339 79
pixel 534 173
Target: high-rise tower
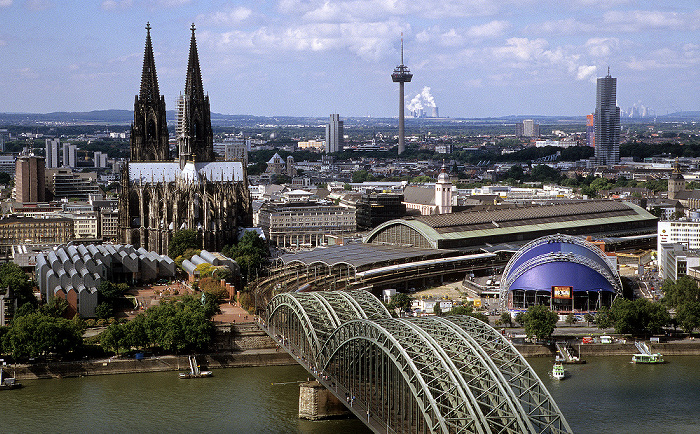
pixel 29 179
pixel 195 136
pixel 401 75
pixel 607 122
pixel 335 140
pixel 149 132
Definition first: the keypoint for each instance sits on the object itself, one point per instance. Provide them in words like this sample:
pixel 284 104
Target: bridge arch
pixel 429 374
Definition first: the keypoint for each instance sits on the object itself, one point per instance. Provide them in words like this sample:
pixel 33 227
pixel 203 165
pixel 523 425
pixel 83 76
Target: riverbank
pixel 119 365
pixel 246 345
pixel 234 345
pixel 685 347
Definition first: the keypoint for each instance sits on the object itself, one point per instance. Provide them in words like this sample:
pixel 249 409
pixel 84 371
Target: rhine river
pixel 608 394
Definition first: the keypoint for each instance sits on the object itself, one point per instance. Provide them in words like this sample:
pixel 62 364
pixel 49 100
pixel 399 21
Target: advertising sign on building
pixel 562 292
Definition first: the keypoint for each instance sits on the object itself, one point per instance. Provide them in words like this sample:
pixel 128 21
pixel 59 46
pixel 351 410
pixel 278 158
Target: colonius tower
pixel 159 195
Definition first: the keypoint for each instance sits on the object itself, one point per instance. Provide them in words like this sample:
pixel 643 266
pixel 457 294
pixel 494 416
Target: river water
pixel 606 395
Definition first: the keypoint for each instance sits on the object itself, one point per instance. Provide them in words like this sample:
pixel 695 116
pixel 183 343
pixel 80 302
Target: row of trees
pixel 683 295
pixel 36 332
pixel 174 326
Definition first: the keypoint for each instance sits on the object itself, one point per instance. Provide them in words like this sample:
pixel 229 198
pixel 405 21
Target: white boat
pixel 195 372
pixel 7 383
pixel 648 358
pixel 558 371
pixel 645 356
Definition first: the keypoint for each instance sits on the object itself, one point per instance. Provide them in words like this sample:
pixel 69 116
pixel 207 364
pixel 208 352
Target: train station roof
pixel 359 255
pixel 474 229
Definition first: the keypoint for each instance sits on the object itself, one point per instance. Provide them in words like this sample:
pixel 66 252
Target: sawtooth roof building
pixel 474 230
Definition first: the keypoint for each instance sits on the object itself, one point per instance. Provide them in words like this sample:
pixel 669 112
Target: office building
pixel 52 146
pixel 527 128
pixel 30 183
pixel 70 155
pixel 99 159
pixel 26 230
pixel 304 224
pixel 334 135
pixel 64 183
pixel 676 259
pixel 590 130
pixel 607 122
pixel 7 164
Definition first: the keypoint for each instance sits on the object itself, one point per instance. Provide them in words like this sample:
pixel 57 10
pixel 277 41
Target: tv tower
pixel 401 75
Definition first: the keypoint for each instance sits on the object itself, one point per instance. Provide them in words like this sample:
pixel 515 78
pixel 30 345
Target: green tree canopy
pixel 38 334
pixel 540 322
pixel 183 240
pixel 400 301
pixel 506 319
pixel 250 253
pixel 12 276
pixel 678 292
pixel 639 317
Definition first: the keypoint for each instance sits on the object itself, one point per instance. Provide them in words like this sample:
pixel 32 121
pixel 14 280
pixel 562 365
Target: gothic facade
pixel 161 195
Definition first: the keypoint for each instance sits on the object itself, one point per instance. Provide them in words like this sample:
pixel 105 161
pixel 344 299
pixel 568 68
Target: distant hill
pixel 126 117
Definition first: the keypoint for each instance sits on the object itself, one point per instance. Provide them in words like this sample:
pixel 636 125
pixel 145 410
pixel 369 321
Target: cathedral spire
pixel 195 136
pixel 193 82
pixel 149 132
pixel 149 79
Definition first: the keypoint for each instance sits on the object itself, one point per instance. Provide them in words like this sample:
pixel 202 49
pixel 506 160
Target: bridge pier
pixel 316 402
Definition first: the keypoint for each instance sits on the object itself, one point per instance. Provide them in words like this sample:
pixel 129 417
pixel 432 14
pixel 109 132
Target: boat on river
pixel 195 372
pixel 558 371
pixel 645 356
pixel 7 383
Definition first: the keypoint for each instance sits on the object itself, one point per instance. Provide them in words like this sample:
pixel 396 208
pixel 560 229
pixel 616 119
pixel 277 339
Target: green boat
pixel 648 358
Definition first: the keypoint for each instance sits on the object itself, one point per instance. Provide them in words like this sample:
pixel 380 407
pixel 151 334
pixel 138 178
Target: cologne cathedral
pixel 161 194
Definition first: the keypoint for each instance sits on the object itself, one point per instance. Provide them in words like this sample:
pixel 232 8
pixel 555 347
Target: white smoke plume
pixel 421 101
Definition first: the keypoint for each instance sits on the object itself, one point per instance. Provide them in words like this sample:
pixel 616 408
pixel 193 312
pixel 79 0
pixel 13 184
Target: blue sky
pixel 479 58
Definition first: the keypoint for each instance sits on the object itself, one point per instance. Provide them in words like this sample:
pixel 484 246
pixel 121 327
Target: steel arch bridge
pixel 412 375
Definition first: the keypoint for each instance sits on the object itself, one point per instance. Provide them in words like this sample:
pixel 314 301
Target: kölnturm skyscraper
pixel 607 122
pixel 401 75
pixel 335 140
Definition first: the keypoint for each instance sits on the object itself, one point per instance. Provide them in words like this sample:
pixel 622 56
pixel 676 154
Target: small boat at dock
pixel 195 372
pixel 7 383
pixel 645 356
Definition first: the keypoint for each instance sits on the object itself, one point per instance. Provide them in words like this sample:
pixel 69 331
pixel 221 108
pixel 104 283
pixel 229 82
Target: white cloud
pixel 169 3
pixel 602 47
pixel 534 54
pixel 523 48
pixel 488 30
pixel 5 3
pixel 666 58
pixel 228 17
pixel 350 10
pixel 3 42
pixel 116 4
pixel 586 72
pixel 369 41
pixel 27 73
pixel 37 5
pixel 567 26
pixel 641 21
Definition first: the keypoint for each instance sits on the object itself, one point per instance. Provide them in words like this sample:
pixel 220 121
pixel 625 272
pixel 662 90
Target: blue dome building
pixel 566 273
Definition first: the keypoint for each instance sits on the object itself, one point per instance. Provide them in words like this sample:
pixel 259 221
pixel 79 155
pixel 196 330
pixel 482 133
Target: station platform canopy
pixel 361 255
